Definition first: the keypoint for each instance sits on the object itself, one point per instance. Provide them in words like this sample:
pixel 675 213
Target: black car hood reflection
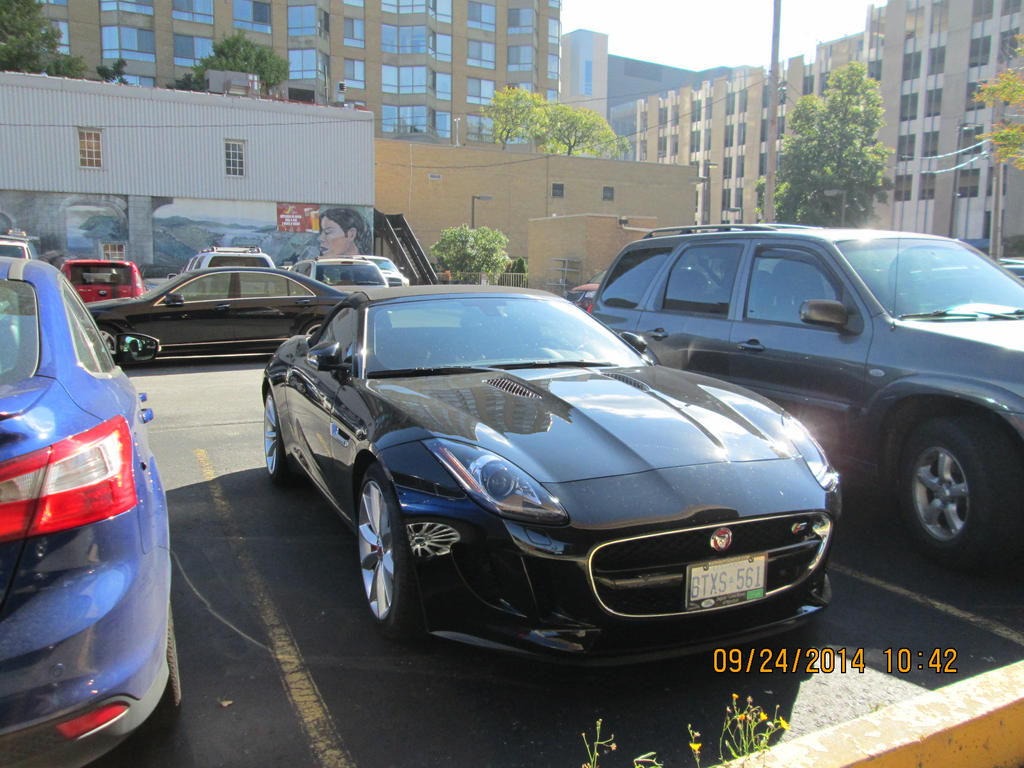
pixel 563 425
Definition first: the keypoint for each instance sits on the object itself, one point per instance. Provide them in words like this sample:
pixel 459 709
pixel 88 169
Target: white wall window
pixel 412 119
pixel 480 16
pixel 199 11
pixel 355 73
pixel 388 78
pixel 128 6
pixel 128 43
pixel 479 91
pixel 234 157
pixel 188 50
pixel 520 58
pixel 389 38
pixel 90 148
pixel 302 20
pixel 355 34
pixel 441 46
pixel 480 53
pixel 306 64
pixel 388 118
pixel 442 85
pixel 412 80
pixel 554 31
pixel 553 66
pixel 443 124
pixel 141 80
pixel 520 21
pixel 441 10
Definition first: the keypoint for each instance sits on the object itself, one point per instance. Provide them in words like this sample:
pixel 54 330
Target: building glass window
pixel 355 73
pixel 727 168
pixel 443 124
pixel 479 91
pixel 982 10
pixel 981 49
pixel 741 134
pixel 441 10
pixel 729 129
pixel 90 148
pixel 412 118
pixel 480 16
pixel 937 60
pixel 62 30
pixel 200 11
pixel 553 66
pixel 520 21
pixel 355 34
pixel 554 31
pixel 875 69
pixel 480 54
pixel 252 15
pixel 127 6
pixel 739 167
pixel 442 85
pixel 558 190
pixel 973 102
pixel 940 16
pixel 933 103
pixel 912 65
pixel 1011 6
pixel 905 146
pixel 140 80
pixel 930 144
pixel 908 107
pixel 389 78
pixel 302 20
pixel 413 80
pixel 128 43
pixel 695 109
pixel 388 118
pixel 479 128
pixel 520 58
pixel 608 193
pixel 306 64
pixel 1008 44
pixel 234 157
pixel 926 188
pixel 552 95
pixel 441 46
pixel 189 50
pixel 389 38
pixel 968 182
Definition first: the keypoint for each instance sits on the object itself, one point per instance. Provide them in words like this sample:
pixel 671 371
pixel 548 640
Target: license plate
pixel 725 582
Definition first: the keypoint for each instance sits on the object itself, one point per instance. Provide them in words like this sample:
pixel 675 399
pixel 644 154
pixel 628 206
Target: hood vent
pixel 512 387
pixel 629 380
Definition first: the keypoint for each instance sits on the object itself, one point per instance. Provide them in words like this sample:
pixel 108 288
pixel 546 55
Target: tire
pixel 166 712
pixel 312 328
pixel 385 560
pixel 277 462
pixel 956 488
pixel 109 336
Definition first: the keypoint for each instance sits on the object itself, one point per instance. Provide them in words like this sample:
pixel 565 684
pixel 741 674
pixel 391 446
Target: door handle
pixel 753 345
pixel 303 302
pixel 657 334
pixel 222 307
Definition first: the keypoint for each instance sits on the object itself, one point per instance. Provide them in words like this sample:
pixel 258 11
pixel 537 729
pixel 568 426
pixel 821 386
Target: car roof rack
pixel 697 228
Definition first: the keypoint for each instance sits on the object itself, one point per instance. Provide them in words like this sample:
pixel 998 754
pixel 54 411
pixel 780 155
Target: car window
pixel 256 284
pixel 350 274
pixel 702 278
pixel 14 251
pixel 90 351
pixel 237 260
pixel 19 331
pixel 343 328
pixel 207 287
pixel 100 274
pixel 781 281
pixel 631 276
pixel 302 268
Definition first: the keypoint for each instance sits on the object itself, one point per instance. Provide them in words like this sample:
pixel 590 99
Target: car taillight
pixel 79 480
pixel 90 722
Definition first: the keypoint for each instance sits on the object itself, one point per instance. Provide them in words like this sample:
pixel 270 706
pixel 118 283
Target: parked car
pixel 583 295
pixel 901 352
pixel 227 309
pixel 341 271
pixel 440 421
pixel 222 256
pixel 391 273
pixel 1016 266
pixel 97 280
pixel 15 244
pixel 87 648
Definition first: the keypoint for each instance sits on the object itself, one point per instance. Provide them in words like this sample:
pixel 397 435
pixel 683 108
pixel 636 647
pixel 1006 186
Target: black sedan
pixel 230 309
pixel 521 477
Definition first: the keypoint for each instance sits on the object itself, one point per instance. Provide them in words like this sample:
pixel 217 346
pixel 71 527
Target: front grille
pixel 645 575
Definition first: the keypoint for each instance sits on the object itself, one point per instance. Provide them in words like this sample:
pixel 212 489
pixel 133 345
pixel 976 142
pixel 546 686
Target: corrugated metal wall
pixel 161 142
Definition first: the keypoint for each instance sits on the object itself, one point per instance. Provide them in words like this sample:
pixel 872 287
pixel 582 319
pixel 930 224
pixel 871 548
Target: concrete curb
pixel 974 723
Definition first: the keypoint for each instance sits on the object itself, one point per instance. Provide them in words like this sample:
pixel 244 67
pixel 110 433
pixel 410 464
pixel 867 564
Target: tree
pixel 30 43
pixel 114 74
pixel 517 114
pixel 832 165
pixel 461 249
pixel 578 131
pixel 237 53
pixel 1008 89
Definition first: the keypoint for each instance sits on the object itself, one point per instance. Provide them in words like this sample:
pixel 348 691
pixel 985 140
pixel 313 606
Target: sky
pixel 701 34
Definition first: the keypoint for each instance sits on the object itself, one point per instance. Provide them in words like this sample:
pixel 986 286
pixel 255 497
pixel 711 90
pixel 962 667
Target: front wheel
pixel 109 336
pixel 956 487
pixel 384 559
pixel 278 468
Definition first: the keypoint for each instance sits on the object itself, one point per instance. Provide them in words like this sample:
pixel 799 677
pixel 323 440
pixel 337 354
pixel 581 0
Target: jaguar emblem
pixel 721 539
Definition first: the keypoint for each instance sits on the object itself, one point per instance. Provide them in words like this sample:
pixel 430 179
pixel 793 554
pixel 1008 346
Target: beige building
pixel 423 67
pixel 568 216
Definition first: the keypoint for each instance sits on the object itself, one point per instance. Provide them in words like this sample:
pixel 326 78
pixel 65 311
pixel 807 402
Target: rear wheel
pixel 273 443
pixel 385 559
pixel 167 709
pixel 109 336
pixel 957 480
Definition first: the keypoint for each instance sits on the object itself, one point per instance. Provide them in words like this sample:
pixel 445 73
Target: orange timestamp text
pixel 826 660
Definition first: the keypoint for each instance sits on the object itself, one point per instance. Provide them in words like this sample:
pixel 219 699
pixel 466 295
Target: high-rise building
pixel 424 67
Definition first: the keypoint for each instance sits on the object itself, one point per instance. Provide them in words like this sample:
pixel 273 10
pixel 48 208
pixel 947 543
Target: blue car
pixel 87 648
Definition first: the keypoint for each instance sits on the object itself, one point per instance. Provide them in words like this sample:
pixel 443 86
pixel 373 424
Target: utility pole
pixel 773 119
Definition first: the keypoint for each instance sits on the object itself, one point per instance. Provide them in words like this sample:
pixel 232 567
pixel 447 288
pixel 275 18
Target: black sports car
pixel 520 476
pixel 228 309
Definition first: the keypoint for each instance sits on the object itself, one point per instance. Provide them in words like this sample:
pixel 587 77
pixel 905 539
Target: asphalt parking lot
pixel 281 664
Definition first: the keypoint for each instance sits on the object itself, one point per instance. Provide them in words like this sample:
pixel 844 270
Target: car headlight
pixel 811 452
pixel 497 483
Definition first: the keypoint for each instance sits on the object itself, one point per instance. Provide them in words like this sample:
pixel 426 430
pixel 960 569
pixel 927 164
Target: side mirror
pixel 825 312
pixel 327 357
pixel 174 299
pixel 135 348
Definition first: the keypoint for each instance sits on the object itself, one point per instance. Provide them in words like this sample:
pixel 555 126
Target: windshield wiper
pixel 439 371
pixel 555 364
pixel 1015 314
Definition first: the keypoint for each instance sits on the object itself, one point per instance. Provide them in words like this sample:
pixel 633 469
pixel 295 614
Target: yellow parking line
pixel 298 683
pixel 994 627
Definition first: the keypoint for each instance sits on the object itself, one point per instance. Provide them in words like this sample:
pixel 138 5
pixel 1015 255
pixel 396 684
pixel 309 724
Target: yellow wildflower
pixel 783 723
pixel 763 717
pixel 695 746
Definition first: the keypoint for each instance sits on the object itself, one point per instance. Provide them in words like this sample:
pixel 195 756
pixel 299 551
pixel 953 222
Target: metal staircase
pixel 394 238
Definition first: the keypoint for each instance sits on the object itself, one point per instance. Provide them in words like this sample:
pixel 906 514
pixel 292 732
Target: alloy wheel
pixel 271 435
pixel 376 553
pixel 940 493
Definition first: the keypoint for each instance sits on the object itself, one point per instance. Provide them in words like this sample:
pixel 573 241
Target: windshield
pixel 349 274
pixel 498 331
pixel 385 264
pixel 912 276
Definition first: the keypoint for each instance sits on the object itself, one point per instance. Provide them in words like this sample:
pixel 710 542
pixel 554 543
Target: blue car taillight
pixel 79 480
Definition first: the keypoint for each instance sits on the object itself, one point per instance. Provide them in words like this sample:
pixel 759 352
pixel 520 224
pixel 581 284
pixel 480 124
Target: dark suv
pixel 903 353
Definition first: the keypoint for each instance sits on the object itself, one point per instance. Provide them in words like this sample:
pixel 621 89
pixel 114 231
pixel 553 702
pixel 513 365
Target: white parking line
pixel 1001 630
